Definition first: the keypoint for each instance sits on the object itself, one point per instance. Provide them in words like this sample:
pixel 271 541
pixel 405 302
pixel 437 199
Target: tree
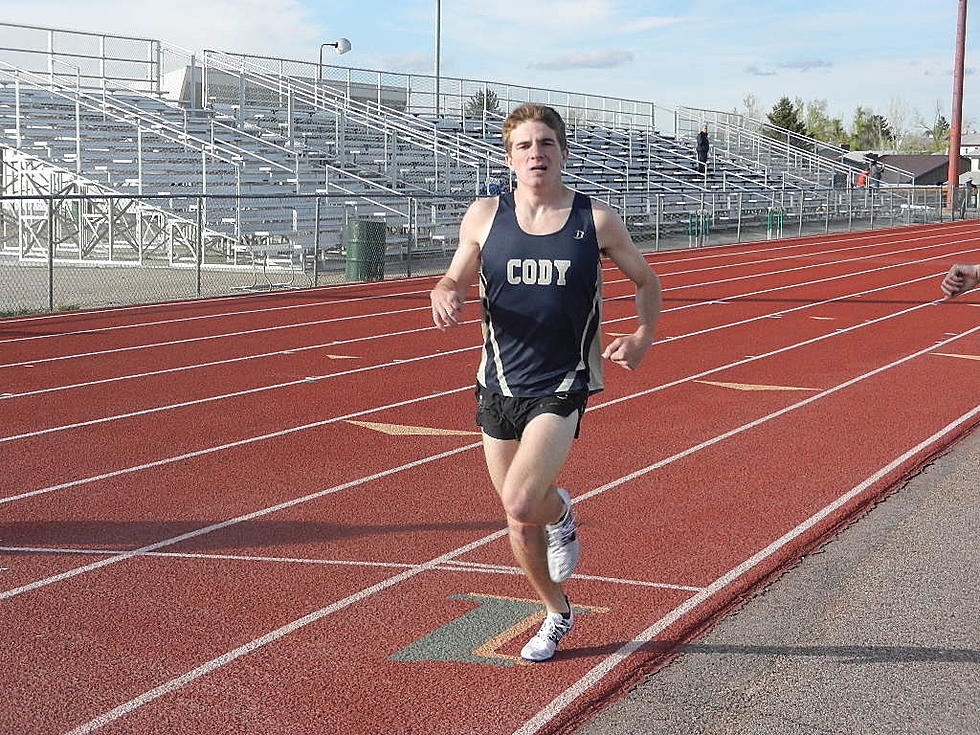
pixel 750 106
pixel 938 132
pixel 899 119
pixel 871 131
pixel 786 114
pixel 820 125
pixel 480 101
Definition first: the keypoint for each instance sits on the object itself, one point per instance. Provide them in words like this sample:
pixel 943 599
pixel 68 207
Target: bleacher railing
pixel 101 58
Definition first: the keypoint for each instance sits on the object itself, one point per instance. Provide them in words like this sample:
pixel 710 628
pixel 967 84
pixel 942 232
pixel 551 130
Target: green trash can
pixel 365 241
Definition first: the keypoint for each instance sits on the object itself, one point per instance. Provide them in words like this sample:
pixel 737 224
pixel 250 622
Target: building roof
pixel 918 165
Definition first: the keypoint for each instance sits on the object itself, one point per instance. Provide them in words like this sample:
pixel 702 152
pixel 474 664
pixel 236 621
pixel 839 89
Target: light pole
pixel 438 33
pixel 956 119
pixel 341 45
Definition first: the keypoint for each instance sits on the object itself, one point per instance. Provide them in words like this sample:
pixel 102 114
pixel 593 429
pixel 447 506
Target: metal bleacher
pixel 287 152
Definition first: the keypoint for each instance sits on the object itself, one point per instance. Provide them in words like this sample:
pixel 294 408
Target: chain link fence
pixel 82 251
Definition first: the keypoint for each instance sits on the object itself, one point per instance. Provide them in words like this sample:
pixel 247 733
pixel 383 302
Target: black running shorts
pixel 504 417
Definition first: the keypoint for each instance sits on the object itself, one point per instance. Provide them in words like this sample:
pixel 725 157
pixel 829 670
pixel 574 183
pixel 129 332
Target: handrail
pixel 67 93
pixel 489 155
pixel 309 96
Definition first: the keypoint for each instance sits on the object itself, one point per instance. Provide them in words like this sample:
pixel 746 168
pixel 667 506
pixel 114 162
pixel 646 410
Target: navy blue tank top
pixel 542 305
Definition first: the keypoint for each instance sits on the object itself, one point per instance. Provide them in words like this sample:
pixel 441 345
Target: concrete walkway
pixel 877 633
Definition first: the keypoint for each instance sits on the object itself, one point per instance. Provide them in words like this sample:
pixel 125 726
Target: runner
pixel 536 254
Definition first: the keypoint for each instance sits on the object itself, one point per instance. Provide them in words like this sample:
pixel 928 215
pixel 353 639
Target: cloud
pixel 805 64
pixel 418 63
pixel 757 72
pixel 604 59
pixel 258 26
pixel 647 24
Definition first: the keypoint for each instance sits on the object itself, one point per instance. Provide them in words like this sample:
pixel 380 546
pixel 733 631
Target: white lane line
pixel 201 317
pixel 450 566
pixel 600 670
pixel 472 566
pixel 218 557
pixel 614 401
pixel 386 335
pixel 216 663
pixel 229 445
pixel 236 394
pixel 219 300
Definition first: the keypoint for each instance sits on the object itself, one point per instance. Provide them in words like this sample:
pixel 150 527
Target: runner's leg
pixel 524 473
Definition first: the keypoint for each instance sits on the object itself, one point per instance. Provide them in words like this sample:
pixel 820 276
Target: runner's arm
pixel 449 293
pixel 615 241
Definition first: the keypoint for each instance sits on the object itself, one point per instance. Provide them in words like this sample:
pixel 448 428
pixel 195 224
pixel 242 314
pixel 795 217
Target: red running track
pixel 196 536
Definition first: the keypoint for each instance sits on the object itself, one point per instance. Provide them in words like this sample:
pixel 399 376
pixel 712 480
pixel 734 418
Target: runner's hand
pixel 961 278
pixel 447 307
pixel 627 352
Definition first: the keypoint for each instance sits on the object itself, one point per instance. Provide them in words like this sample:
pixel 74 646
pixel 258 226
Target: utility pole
pixel 953 173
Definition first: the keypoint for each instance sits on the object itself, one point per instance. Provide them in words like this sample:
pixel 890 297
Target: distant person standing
pixel 875 173
pixel 702 149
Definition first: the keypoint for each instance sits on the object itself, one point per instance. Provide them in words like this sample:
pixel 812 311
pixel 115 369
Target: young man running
pixel 536 254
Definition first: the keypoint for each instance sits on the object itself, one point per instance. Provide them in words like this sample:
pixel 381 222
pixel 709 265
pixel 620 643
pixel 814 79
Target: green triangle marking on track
pixel 476 635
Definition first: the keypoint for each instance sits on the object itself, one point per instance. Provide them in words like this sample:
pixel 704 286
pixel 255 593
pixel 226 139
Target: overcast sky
pixel 701 53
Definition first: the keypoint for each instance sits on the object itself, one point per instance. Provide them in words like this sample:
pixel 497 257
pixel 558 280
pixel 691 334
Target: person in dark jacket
pixel 702 149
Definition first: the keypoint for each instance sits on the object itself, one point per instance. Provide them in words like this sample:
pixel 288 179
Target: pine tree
pixel 476 104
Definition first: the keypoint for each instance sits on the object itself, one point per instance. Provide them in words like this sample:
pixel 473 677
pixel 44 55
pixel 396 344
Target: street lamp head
pixel 342 45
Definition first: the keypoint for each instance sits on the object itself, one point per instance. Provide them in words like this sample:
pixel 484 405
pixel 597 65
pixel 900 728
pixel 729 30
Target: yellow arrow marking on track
pixel 401 430
pixel 749 386
pixel 823 318
pixel 341 357
pixel 618 334
pixel 965 357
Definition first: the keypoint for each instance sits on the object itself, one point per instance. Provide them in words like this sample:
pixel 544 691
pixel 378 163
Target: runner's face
pixel 535 155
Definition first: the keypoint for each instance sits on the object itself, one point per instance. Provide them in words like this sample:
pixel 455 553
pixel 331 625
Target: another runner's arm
pixel 450 292
pixel 960 279
pixel 615 241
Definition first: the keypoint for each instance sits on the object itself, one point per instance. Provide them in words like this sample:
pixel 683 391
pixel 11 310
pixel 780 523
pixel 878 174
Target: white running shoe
pixel 563 546
pixel 542 646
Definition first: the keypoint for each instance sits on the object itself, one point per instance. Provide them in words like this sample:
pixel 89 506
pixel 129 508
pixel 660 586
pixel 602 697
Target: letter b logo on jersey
pixel 540 272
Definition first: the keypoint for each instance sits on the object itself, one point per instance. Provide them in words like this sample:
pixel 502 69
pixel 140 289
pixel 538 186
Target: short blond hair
pixel 541 113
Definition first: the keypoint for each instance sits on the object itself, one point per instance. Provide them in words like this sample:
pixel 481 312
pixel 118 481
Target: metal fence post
pixel 200 240
pixel 738 225
pixel 316 243
pixel 826 214
pixel 799 231
pixel 660 207
pixel 413 222
pixel 51 253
